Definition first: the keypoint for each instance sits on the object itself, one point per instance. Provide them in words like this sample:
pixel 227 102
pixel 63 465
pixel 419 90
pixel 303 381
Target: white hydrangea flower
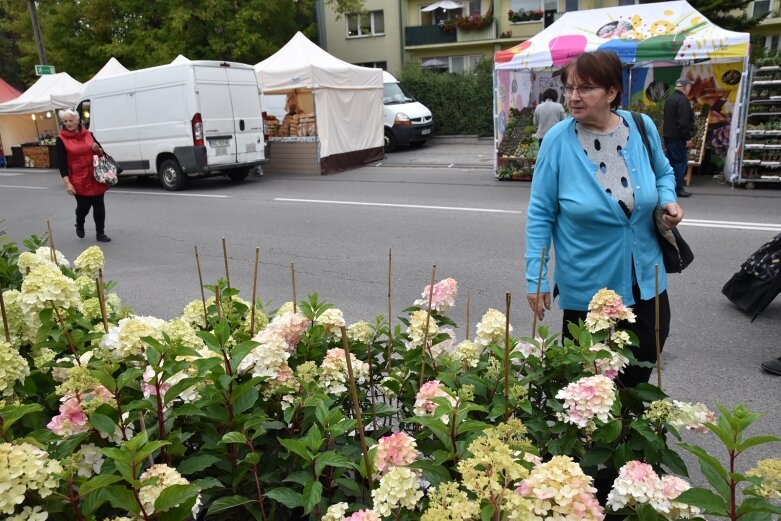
pixel 491 328
pixel 45 253
pixel 166 476
pixel 446 346
pixel 23 468
pixel 90 262
pixel 333 371
pixel 361 331
pixel 467 353
pixel 89 460
pixel 13 369
pixel 399 487
pixel 332 320
pixel 268 358
pixel 21 326
pixel 417 328
pixel 335 512
pixel 30 514
pixel 124 339
pixel 46 287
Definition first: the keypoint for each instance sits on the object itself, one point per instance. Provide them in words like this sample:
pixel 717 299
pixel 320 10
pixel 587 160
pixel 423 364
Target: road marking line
pixel 10 174
pixel 25 187
pixel 214 196
pixel 703 223
pixel 388 205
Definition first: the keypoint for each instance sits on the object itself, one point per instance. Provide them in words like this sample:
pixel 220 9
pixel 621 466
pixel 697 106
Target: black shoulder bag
pixel 676 253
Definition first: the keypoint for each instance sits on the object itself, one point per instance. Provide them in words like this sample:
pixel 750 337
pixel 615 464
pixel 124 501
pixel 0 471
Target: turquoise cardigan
pixel 595 244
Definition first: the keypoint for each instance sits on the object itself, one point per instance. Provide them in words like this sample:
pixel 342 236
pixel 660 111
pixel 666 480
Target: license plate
pixel 214 143
pixel 425 131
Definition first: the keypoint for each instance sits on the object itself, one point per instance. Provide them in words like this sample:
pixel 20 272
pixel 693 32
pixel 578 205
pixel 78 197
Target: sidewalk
pixel 445 152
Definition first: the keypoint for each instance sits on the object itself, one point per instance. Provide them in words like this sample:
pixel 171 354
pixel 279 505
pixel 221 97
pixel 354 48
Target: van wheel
pixel 171 176
pixel 238 174
pixel 390 141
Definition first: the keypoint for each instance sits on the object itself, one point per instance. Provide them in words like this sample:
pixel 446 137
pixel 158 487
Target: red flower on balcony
pixel 524 16
pixel 473 22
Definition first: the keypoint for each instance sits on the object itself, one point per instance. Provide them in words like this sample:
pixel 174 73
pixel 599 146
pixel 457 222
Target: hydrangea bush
pixel 234 412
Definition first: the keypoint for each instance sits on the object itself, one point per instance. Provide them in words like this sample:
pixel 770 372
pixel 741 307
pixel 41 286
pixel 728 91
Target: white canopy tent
pixel 444 4
pixel 347 100
pixel 42 100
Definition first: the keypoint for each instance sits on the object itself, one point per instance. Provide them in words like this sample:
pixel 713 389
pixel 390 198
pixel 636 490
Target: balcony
pixel 433 35
pixel 427 35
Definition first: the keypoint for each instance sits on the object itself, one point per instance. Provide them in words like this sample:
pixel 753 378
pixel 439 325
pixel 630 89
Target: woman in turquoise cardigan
pixel 593 195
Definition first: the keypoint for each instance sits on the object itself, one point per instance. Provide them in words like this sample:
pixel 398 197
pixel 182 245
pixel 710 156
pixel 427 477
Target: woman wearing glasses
pixel 593 194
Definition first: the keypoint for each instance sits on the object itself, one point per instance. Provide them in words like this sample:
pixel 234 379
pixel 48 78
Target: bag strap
pixel 643 134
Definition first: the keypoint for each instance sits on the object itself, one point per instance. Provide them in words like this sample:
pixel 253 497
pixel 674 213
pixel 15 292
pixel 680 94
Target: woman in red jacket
pixel 74 150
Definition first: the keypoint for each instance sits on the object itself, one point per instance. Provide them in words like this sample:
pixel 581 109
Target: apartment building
pixel 770 27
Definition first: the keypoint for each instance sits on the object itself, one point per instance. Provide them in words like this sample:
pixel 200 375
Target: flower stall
pixel 658 43
pixel 342 124
pixel 235 411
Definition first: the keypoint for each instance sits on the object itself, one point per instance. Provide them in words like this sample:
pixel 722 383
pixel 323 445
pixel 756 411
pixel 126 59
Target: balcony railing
pixel 432 34
pixel 427 35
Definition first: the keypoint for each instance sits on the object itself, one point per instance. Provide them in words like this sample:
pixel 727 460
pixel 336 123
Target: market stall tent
pixel 347 102
pixel 658 42
pixel 7 92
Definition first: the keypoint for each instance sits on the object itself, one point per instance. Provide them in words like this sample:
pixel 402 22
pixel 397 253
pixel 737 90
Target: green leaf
pixel 331 459
pixel 234 437
pixel 704 499
pixel 609 432
pixel 724 433
pixel 288 497
pixel 432 472
pixel 296 447
pixel 595 457
pixel 718 483
pixel 314 438
pixel 174 495
pixel 98 482
pixel 149 448
pixel 226 503
pixel 756 440
pixel 350 486
pixel 103 423
pixel 89 503
pixel 132 375
pixel 757 504
pixel 674 462
pixel 648 392
pixel 313 493
pixel 646 432
pixel 122 498
pixel 706 458
pixel 487 512
pixel 646 512
pixel 207 483
pixel 196 464
pixel 12 414
pixel 178 388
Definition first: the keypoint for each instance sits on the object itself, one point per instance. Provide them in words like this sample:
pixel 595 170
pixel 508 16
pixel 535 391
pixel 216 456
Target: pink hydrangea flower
pixel 363 515
pixel 397 450
pixel 71 420
pixel 290 326
pixel 605 310
pixel 424 405
pixel 443 297
pixel 587 399
pixel 638 483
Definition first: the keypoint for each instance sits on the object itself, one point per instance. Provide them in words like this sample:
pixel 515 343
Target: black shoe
pixel 102 237
pixel 682 193
pixel 772 366
pixel 80 231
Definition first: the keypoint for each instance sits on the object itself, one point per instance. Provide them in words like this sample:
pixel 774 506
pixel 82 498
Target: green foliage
pixel 460 103
pixel 10 277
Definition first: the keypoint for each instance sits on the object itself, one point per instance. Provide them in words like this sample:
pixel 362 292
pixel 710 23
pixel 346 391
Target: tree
pixel 81 35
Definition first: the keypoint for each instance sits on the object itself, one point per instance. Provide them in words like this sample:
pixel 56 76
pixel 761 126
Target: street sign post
pixel 40 70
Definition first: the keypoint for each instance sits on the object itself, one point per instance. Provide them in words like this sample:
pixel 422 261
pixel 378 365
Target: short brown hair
pixel 601 69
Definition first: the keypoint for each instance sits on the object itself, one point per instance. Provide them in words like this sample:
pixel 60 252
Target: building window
pixel 525 5
pixel 374 65
pixel 627 2
pixel 571 5
pixel 457 64
pixel 371 23
pixel 771 43
pixel 761 8
pixel 474 7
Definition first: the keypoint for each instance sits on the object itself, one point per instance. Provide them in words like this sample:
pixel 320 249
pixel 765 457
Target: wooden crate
pixel 293 158
pixel 37 157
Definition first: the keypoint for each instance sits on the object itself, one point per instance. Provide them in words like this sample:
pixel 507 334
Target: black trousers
pixel 643 327
pixel 83 205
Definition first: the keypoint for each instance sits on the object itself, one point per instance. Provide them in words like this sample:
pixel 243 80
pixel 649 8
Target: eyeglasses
pixel 584 90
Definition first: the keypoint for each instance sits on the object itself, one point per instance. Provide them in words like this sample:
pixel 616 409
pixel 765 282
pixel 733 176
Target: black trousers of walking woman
pixel 83 205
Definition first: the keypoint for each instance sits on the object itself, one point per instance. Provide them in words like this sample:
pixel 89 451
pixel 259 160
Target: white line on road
pixel 10 174
pixel 25 187
pixel 388 205
pixel 131 192
pixel 704 223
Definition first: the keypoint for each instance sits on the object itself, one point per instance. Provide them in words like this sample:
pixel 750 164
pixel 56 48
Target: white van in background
pixel 176 121
pixel 407 122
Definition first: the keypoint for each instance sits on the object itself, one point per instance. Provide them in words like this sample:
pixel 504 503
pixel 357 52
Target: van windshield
pixel 393 94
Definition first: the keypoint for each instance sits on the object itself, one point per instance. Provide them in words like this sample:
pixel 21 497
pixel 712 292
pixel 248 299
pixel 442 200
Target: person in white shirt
pixel 548 113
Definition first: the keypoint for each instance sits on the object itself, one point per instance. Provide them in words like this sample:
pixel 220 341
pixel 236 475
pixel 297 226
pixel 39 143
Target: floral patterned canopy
pixel 660 32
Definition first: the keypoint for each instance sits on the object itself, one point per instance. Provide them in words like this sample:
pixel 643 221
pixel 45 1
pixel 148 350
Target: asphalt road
pixel 438 205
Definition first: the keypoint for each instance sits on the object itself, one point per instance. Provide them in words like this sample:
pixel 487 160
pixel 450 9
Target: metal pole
pixel 37 32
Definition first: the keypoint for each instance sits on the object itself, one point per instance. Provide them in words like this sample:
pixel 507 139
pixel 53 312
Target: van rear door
pixel 247 114
pixel 214 100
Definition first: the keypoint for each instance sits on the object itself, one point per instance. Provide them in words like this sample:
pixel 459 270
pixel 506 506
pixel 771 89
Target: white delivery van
pixel 178 121
pixel 407 122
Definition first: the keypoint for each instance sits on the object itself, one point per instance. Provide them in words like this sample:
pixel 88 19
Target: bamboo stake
pixel 425 329
pixel 254 292
pixel 390 326
pixel 468 310
pixel 102 300
pixel 537 295
pixel 507 301
pixel 356 407
pixel 293 278
pixel 52 252
pixel 5 318
pixel 656 329
pixel 225 257
pixel 218 302
pixel 200 282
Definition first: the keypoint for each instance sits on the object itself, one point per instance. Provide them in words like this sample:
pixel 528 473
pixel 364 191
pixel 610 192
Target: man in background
pixel 547 113
pixel 678 131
